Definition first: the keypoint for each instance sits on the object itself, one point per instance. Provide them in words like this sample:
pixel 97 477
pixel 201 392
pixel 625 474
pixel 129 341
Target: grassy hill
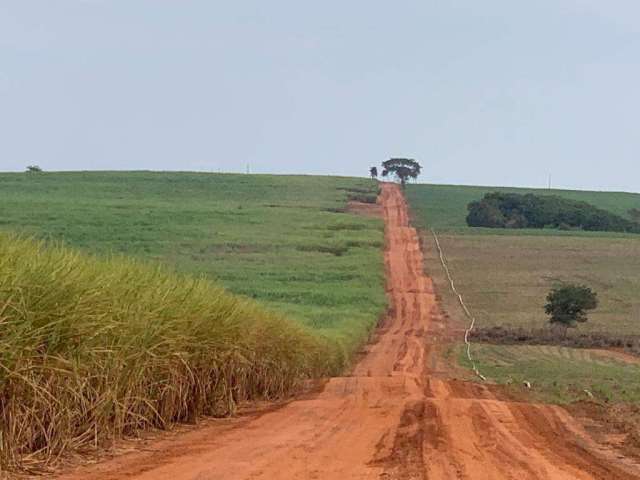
pixel 126 326
pixel 282 240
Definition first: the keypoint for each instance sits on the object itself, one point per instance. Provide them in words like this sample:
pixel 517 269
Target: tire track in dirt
pixel 390 419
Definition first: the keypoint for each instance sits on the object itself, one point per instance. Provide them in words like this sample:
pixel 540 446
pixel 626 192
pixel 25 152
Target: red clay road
pixel 391 419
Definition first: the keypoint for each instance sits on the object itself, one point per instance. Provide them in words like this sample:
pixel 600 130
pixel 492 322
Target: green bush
pixel 568 304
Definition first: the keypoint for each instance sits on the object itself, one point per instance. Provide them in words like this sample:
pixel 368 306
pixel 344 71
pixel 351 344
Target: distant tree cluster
pixel 511 210
pixel 634 213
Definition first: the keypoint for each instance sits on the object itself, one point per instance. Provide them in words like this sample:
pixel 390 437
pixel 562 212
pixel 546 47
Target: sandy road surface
pixel 391 419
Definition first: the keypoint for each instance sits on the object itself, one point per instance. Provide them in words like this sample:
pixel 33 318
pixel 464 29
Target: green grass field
pixel 558 374
pixel 278 239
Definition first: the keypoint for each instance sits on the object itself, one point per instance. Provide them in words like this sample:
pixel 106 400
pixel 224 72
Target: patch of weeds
pixel 337 250
pixel 363 198
pixel 364 243
pixel 547 336
pixel 347 226
pixel 335 210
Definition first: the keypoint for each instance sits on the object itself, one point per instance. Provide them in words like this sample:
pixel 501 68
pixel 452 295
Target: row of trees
pixel 512 210
pixel 401 168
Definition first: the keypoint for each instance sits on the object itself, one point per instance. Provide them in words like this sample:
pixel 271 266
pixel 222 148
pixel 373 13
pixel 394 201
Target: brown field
pixel 505 279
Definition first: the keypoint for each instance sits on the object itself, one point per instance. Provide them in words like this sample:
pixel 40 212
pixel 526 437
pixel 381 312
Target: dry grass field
pixel 505 279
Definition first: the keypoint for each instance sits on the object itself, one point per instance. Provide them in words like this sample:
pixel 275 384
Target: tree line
pixel 513 210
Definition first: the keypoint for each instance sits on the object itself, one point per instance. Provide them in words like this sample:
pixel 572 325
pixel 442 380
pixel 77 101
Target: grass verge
pixel 94 349
pixel 558 374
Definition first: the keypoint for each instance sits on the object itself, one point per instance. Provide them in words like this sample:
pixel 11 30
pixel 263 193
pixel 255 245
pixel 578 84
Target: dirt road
pixel 391 419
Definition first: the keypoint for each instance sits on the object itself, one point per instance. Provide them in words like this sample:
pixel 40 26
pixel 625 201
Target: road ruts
pixel 389 419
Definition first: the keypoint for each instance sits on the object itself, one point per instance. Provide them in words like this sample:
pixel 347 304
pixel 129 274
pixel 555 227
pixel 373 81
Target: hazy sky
pixel 499 92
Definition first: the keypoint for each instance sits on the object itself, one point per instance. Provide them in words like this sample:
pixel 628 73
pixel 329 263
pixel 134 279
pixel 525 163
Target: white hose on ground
pixel 462 304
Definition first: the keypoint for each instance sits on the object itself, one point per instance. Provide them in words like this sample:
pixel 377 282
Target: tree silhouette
pixel 373 171
pixel 401 168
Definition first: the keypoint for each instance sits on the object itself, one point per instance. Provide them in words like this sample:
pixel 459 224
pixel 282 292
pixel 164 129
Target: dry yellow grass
pixel 91 350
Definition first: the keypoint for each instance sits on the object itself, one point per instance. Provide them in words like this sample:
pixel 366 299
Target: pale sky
pixel 492 92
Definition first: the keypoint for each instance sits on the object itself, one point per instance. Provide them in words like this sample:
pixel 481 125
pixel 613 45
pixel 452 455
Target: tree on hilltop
pixel 401 168
pixel 373 171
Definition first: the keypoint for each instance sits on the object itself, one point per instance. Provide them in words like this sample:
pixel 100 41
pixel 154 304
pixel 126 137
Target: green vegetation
pixel 282 240
pixel 513 210
pixel 558 374
pixel 568 304
pixel 444 207
pixel 505 274
pixel 623 343
pixel 95 349
pixel 133 333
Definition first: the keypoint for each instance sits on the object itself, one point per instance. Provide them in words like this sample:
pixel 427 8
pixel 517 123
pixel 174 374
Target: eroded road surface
pixel 392 418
